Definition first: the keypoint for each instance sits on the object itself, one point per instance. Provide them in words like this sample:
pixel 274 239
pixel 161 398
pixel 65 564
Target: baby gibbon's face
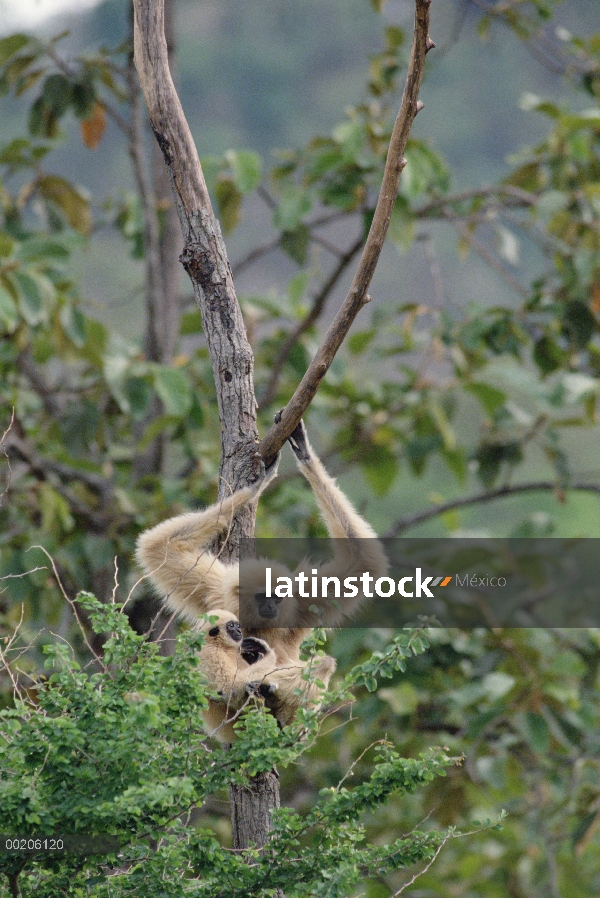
pixel 231 630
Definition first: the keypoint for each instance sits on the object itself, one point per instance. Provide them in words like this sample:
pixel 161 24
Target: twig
pixel 26 453
pixel 518 196
pixel 358 296
pixel 317 307
pixel 73 605
pixel 466 501
pixel 489 257
pixel 6 456
pixel 425 868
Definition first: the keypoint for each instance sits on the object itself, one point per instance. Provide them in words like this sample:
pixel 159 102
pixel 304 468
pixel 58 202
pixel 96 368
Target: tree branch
pixel 358 296
pixel 205 260
pixel 481 498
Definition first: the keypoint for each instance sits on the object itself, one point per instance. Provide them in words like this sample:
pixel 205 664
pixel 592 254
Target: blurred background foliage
pixel 476 366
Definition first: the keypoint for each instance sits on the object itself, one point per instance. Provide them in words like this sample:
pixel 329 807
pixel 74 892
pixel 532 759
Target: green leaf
pixel 247 169
pixel 174 389
pixel 139 395
pixel 578 323
pixel 380 466
pixel 456 461
pixel 229 202
pixel 69 200
pixel 295 243
pixel 402 225
pixel 73 322
pixel 394 37
pixel 191 323
pixel 7 244
pixel 548 355
pixel 42 120
pixel 34 249
pixel 490 397
pixel 11 45
pixel 536 732
pixel 492 456
pixel 359 341
pixel 294 203
pixel 56 93
pixel 9 317
pixel 83 96
pixel 30 298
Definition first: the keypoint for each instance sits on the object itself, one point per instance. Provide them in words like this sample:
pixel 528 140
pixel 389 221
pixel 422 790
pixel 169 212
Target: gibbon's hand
pixel 298 440
pixel 262 690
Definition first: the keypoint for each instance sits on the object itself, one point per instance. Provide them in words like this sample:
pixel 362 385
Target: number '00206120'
pixel 22 843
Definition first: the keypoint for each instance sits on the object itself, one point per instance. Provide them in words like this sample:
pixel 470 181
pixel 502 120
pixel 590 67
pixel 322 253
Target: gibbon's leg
pixel 176 558
pixel 356 547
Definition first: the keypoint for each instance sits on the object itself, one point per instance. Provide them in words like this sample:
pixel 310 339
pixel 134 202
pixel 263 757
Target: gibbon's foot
pixel 299 443
pixel 297 439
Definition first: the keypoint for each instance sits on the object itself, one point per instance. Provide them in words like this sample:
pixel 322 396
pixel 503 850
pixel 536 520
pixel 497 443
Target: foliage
pixel 116 748
pixel 481 391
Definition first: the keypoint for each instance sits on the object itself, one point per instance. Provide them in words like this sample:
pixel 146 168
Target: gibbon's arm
pixel 356 547
pixel 175 555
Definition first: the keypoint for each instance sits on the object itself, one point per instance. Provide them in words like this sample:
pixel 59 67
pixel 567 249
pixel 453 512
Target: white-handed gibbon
pixel 235 669
pixel 193 581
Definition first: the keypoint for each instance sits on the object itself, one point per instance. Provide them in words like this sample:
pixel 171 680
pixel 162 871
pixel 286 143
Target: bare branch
pixel 511 196
pixel 482 498
pixel 358 296
pixel 4 451
pixel 93 481
pixel 204 258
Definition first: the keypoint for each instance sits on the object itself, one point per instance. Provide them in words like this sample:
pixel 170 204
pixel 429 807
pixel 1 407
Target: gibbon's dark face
pixel 267 607
pixel 232 628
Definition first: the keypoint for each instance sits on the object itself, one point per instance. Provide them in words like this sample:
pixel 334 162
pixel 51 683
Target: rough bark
pixel 205 259
pixel 251 809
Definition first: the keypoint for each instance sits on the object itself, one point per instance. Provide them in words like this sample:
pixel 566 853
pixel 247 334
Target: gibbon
pixel 235 668
pixel 194 581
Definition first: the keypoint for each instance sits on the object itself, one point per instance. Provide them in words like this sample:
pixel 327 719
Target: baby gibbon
pixel 193 581
pixel 235 668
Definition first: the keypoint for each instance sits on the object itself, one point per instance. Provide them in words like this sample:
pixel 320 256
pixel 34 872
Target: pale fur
pixel 193 581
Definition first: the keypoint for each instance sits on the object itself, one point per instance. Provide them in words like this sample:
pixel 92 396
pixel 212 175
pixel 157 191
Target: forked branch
pixel 358 294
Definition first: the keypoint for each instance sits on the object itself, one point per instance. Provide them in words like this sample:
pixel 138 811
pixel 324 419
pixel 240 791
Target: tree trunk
pixel 205 259
pixel 251 808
